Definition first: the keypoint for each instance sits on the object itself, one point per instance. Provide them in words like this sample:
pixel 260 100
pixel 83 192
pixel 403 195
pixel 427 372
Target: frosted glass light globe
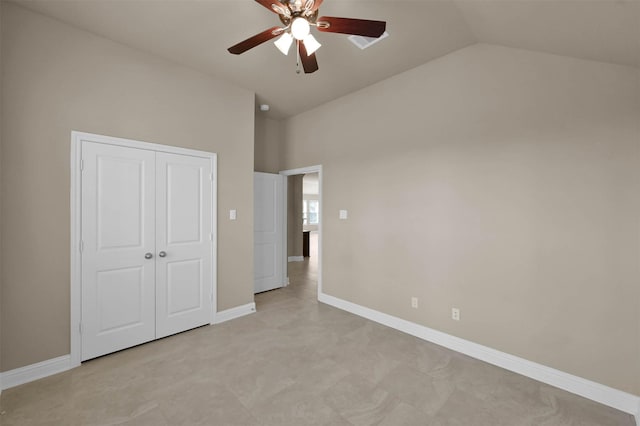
pixel 284 43
pixel 300 28
pixel 311 44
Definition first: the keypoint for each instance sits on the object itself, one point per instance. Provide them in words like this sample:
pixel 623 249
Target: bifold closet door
pixel 184 242
pixel 118 248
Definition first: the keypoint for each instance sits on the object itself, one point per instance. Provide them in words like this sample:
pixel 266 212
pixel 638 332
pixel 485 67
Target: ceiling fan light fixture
pixel 284 43
pixel 300 28
pixel 311 44
pixel 297 18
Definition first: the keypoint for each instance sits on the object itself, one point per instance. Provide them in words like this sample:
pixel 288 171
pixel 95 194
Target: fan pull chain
pixel 297 56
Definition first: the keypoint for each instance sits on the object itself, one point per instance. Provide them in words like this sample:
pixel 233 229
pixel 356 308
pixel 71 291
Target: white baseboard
pixel 233 313
pixel 36 371
pixel 594 391
pixel 296 258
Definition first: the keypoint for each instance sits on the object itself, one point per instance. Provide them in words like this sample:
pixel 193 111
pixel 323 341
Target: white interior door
pixel 268 226
pixel 118 230
pixel 184 242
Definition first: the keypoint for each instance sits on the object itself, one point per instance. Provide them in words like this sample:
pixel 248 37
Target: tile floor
pixel 295 362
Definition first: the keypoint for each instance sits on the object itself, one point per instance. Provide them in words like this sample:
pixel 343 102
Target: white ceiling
pixel 197 34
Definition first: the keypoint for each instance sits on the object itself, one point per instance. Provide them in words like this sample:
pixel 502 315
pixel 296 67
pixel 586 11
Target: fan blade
pixel 361 27
pixel 256 40
pixel 316 4
pixel 309 62
pixel 268 3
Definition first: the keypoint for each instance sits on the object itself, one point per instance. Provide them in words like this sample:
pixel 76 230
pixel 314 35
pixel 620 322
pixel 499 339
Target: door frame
pixel 76 226
pixel 302 171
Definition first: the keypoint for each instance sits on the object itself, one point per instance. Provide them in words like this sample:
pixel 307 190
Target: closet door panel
pixel 183 243
pixel 118 230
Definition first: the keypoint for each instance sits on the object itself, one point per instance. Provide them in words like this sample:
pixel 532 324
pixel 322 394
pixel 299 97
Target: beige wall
pixel 268 144
pixel 58 79
pixel 498 181
pixel 294 215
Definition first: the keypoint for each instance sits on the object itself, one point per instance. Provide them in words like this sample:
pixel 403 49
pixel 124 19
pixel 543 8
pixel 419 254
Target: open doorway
pixel 303 225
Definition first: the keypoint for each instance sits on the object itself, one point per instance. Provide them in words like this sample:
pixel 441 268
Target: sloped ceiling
pixel 197 34
pixel 607 31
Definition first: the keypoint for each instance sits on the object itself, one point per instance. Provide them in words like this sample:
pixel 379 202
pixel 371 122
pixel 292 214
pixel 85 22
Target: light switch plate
pixel 233 214
pixel 343 214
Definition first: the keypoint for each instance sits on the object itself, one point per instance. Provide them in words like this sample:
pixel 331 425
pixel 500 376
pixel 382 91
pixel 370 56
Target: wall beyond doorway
pixel 294 216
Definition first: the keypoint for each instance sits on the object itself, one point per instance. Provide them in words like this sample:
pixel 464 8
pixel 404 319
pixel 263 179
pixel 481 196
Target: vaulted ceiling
pixel 197 34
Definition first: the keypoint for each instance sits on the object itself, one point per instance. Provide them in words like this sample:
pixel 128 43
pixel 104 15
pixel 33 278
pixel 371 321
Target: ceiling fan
pixel 298 16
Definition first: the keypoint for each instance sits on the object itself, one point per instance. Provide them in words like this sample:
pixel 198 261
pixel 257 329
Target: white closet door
pixel 183 243
pixel 267 231
pixel 118 230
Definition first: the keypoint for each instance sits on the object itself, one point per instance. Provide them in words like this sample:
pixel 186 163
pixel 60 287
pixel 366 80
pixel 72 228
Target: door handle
pixel 148 256
pixel 162 254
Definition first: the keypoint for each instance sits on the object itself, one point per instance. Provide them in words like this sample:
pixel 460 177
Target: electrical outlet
pixel 455 314
pixel 414 302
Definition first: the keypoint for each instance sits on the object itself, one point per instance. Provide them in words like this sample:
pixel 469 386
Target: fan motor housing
pixel 286 20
